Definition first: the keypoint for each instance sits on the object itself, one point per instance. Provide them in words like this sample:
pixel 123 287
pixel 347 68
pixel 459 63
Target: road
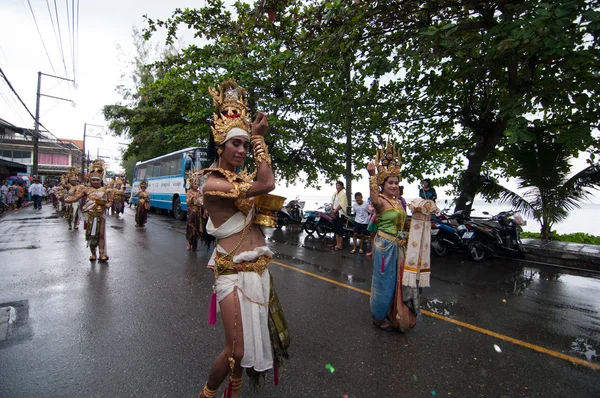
pixel 138 326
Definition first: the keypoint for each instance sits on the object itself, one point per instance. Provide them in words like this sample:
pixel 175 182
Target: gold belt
pixel 226 266
pixel 393 238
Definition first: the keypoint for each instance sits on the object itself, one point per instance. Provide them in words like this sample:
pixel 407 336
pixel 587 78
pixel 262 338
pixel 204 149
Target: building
pixel 55 156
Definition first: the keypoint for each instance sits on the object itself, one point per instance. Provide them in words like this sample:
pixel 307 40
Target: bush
pixel 578 237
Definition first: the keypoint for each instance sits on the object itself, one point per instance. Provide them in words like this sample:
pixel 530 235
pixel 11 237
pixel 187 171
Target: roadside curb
pixel 575 255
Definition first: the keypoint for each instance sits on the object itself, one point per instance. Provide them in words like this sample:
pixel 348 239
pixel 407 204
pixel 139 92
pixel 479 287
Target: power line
pixel 26 108
pixel 73 35
pixel 40 34
pixel 76 51
pixel 62 51
pixel 53 26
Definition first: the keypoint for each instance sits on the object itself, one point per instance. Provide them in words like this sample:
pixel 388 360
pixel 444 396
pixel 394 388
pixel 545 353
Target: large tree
pixel 471 76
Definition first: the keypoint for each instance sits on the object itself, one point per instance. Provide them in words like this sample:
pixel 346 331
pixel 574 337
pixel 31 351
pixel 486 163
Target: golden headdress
pixel 144 183
pixel 230 100
pixel 72 174
pixel 96 169
pixel 387 160
pixel 118 182
pixel 191 178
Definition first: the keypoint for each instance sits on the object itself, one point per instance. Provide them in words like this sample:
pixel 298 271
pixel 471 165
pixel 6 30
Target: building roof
pixel 79 143
pixel 13 165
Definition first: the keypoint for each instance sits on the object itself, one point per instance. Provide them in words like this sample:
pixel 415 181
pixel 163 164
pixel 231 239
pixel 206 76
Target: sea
pixel 579 220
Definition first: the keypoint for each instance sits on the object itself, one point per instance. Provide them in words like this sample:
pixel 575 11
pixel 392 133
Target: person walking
pixel 339 203
pixel 361 221
pixel 256 334
pixel 37 191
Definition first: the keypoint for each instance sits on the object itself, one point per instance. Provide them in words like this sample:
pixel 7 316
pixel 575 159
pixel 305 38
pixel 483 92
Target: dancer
pixel 255 330
pixel 73 209
pixel 193 199
pixel 98 199
pixel 118 206
pixel 141 213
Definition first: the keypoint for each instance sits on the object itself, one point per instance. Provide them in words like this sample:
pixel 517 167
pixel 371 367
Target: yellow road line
pixel 463 324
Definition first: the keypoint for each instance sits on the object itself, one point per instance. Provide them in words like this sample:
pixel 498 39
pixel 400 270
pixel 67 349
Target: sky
pixel 101 28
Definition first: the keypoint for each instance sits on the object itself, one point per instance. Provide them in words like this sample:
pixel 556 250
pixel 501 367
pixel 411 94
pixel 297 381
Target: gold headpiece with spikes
pixel 118 182
pixel 191 178
pixel 388 162
pixel 230 100
pixel 144 183
pixel 72 174
pixel 96 169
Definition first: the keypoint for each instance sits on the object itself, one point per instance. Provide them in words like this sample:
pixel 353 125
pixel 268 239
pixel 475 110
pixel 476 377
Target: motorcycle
pixel 500 234
pixel 449 232
pixel 312 218
pixel 291 213
pixel 325 225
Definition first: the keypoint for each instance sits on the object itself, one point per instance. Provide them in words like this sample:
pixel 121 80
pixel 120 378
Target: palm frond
pixel 579 187
pixel 490 189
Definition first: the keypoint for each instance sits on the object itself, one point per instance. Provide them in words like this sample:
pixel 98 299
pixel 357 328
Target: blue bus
pixel 166 178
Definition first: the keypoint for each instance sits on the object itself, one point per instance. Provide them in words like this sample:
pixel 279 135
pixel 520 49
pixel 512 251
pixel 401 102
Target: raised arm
pixel 373 187
pixel 265 179
pixel 80 193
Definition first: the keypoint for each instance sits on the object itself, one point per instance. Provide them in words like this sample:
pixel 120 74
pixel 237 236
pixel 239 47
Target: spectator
pixel 4 191
pixel 20 192
pixel 427 191
pixel 36 190
pixel 361 221
pixel 339 203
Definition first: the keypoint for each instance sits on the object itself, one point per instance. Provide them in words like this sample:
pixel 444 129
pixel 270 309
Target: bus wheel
pixel 177 212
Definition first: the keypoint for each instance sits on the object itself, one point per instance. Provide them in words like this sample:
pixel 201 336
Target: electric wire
pixel 69 30
pixel 40 34
pixel 27 109
pixel 53 26
pixel 76 61
pixel 62 51
pixel 11 103
pixel 73 35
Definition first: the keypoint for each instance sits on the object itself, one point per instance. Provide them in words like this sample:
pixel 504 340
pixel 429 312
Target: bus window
pixel 156 169
pixel 165 169
pixel 176 166
pixel 140 172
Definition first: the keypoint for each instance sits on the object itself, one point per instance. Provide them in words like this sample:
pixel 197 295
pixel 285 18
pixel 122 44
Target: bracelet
pixel 261 153
pixel 373 184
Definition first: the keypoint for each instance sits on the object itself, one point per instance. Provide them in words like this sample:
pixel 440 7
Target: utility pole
pixel 83 160
pixel 349 110
pixel 36 135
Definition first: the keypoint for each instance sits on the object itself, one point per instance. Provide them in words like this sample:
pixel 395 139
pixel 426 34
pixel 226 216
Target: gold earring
pixel 219 151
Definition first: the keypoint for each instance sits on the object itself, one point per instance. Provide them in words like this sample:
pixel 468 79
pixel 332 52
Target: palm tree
pixel 543 169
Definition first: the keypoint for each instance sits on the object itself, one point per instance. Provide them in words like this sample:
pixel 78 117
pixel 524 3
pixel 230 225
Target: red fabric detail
pixel 212 311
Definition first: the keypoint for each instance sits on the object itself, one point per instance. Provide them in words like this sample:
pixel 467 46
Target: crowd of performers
pixel 256 333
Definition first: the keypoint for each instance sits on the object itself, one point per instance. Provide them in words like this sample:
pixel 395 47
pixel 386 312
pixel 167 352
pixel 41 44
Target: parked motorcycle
pixel 501 234
pixel 447 232
pixel 310 220
pixel 325 226
pixel 291 213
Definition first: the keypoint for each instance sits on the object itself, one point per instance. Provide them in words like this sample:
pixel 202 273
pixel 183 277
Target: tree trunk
pixel 486 141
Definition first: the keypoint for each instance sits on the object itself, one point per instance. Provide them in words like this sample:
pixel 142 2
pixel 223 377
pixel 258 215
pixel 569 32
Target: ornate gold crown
pixel 144 183
pixel 72 173
pixel 118 181
pixel 191 178
pixel 388 162
pixel 230 100
pixel 96 169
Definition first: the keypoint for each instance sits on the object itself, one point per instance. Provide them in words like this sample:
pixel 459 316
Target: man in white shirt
pixel 36 190
pixel 339 203
pixel 4 191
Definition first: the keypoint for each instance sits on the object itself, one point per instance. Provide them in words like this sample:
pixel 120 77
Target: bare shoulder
pixel 216 185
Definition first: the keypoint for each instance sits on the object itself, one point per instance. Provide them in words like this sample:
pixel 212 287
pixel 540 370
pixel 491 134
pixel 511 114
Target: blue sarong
pixel 383 284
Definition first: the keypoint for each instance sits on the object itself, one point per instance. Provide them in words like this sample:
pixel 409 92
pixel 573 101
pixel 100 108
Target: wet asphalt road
pixel 138 326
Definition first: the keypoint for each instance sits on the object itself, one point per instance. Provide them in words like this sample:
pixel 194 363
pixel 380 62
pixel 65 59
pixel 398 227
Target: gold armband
pixel 373 184
pixel 261 153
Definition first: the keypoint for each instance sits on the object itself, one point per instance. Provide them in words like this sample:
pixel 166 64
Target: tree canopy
pixel 453 81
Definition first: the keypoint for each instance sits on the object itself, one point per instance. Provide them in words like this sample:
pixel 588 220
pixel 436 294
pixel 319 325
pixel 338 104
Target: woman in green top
pixel 389 250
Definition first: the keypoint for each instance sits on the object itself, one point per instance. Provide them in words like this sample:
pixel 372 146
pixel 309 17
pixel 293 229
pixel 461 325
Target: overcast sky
pixel 103 25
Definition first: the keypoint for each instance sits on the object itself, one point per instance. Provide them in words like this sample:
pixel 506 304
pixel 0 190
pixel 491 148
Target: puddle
pixel 29 247
pixel 582 347
pixel 439 307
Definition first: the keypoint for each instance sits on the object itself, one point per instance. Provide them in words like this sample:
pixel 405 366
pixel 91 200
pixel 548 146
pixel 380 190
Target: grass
pixel 577 237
